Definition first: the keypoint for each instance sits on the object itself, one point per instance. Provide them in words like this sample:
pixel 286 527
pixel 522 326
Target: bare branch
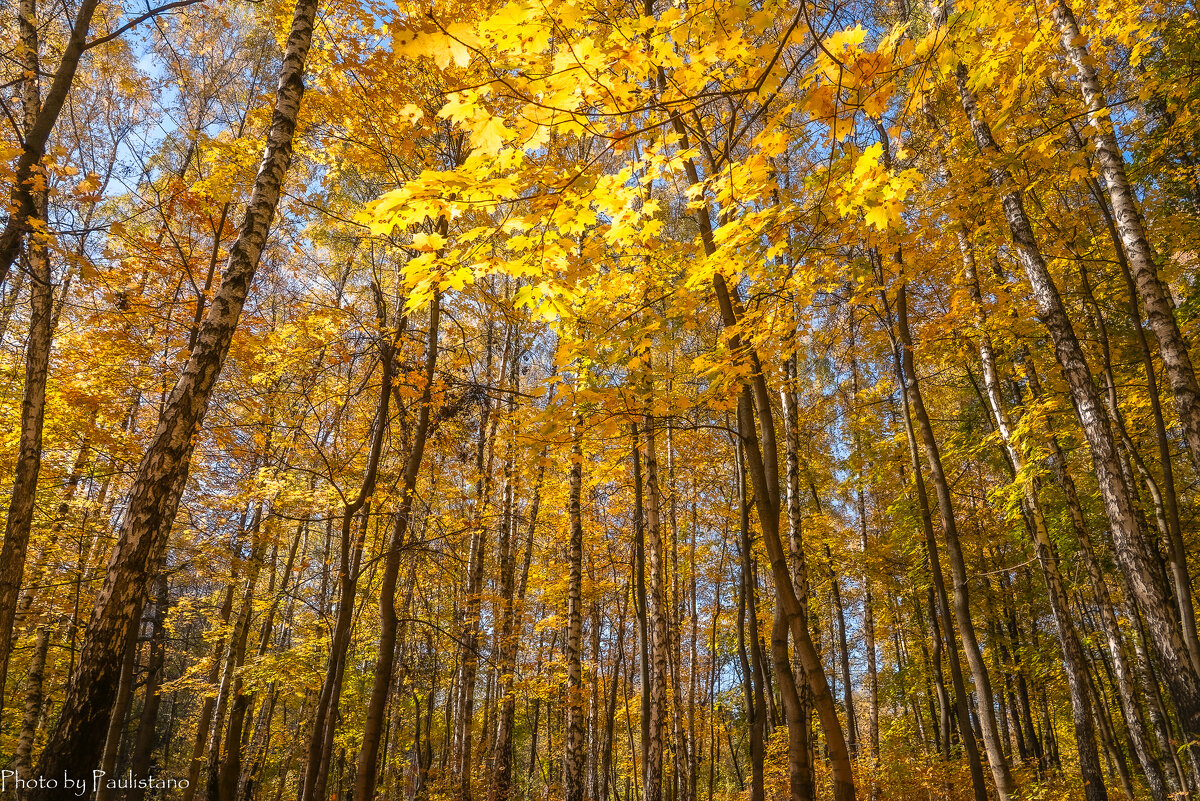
pixel 136 21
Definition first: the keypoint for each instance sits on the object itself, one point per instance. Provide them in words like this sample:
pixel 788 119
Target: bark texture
pixel 74 744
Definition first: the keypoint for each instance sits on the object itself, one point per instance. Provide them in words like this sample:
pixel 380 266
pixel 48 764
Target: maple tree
pixel 646 401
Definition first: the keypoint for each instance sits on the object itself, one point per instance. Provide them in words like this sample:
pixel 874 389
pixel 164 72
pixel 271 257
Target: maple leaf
pixel 491 135
pixel 428 243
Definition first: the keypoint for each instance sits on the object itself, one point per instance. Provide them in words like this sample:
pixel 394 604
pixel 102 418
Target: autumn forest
pixel 599 400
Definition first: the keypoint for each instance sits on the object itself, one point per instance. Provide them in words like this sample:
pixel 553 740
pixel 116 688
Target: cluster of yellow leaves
pixel 877 192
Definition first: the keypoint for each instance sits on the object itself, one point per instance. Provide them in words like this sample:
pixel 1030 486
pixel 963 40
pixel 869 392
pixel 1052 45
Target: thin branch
pixel 136 21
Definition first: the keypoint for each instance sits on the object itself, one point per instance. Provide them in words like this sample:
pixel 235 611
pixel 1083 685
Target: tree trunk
pixel 574 744
pixel 19 522
pixel 657 613
pixel 799 781
pixel 512 616
pixel 962 607
pixel 868 625
pixel 120 712
pixel 1134 721
pixel 903 366
pixel 639 598
pixel 23 200
pixel 1166 508
pixel 146 740
pixel 34 695
pixel 34 580
pixel 941 717
pixel 1160 309
pixel 1074 660
pixel 796 710
pixel 844 655
pixel 350 556
pixel 606 749
pixel 208 705
pixel 154 498
pixel 224 773
pixel 368 771
pixel 762 456
pixel 469 622
pixel 751 672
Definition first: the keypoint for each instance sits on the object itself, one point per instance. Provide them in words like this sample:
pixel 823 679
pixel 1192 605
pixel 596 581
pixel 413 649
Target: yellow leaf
pixel 428 243
pixel 490 136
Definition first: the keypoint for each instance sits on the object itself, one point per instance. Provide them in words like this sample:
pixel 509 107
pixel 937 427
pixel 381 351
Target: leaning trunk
pixel 962 608
pixel 1160 309
pixel 1130 550
pixel 74 745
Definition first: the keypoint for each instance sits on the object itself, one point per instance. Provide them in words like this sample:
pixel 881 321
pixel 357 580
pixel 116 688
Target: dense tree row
pixel 622 402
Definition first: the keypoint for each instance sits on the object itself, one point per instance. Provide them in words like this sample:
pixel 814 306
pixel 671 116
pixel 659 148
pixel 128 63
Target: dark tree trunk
pixel 143 749
pixel 751 670
pixel 962 608
pixel 19 522
pixel 23 200
pixel 903 368
pixel 368 771
pixel 574 744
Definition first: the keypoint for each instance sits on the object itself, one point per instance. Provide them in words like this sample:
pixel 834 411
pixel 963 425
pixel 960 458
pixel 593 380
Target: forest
pixel 584 400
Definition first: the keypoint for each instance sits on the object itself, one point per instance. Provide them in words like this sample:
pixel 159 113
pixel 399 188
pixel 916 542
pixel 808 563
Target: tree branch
pixel 136 21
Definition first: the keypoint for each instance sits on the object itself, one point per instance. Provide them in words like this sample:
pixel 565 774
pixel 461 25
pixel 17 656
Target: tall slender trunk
pixel 574 743
pixel 762 456
pixel 208 705
pixel 34 580
pixel 120 712
pixel 868 624
pixel 1180 574
pixel 224 773
pixel 357 510
pixel 147 734
pixel 596 705
pixel 606 749
pixel 640 601
pixel 34 696
pixel 1163 496
pixel 756 426
pixel 368 771
pixel 844 657
pixel 795 705
pixel 903 366
pixel 469 623
pixel 512 617
pixel 958 568
pixel 941 721
pixel 657 613
pixel 73 746
pixel 751 672
pixel 1025 707
pixel 1134 721
pixel 799 782
pixel 1074 660
pixel 19 522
